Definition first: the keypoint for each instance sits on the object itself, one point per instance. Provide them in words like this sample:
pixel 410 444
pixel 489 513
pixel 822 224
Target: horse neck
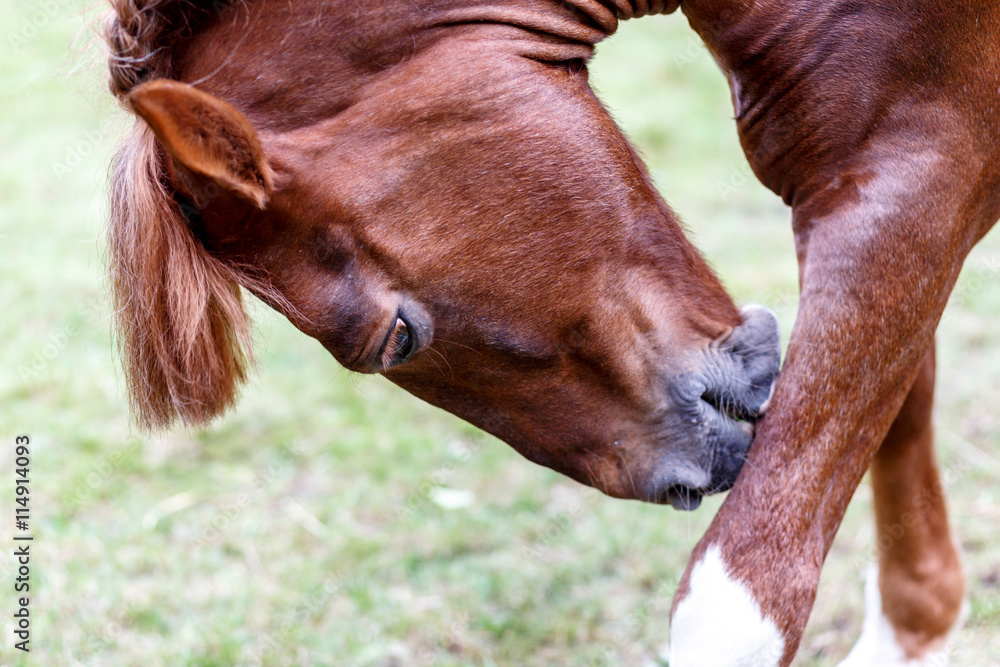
pixel 583 21
pixel 364 46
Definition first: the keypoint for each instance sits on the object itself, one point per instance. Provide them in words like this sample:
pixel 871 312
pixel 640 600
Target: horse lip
pixel 682 497
pixel 762 410
pixel 731 408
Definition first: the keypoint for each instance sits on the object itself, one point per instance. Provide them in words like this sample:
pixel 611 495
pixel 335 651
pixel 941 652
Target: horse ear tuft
pixel 206 137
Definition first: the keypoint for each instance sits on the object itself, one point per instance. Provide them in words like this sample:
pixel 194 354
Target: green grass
pixel 303 528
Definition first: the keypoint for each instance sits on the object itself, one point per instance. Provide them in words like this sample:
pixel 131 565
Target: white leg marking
pixel 719 624
pixel 878 646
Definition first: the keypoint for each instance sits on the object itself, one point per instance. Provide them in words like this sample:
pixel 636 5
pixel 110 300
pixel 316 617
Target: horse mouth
pixel 733 409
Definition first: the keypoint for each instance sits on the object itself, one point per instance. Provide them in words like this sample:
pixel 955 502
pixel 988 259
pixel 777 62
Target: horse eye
pixel 398 345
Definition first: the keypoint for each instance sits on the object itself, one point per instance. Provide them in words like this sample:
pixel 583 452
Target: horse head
pixel 432 191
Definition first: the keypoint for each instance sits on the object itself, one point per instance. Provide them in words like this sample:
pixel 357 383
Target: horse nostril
pixel 747 361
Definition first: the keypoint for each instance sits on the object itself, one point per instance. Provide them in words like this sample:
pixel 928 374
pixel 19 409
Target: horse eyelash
pixel 394 344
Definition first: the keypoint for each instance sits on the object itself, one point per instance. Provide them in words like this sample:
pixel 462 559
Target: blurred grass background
pixel 335 520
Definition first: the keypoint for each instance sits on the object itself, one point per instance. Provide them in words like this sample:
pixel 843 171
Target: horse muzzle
pixel 713 413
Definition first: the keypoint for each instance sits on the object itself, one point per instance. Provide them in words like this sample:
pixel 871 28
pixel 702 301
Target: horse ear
pixel 206 137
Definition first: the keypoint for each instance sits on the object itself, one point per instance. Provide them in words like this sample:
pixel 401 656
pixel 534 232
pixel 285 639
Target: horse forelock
pixel 182 331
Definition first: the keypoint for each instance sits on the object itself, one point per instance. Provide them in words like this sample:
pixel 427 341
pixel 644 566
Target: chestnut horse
pixel 418 182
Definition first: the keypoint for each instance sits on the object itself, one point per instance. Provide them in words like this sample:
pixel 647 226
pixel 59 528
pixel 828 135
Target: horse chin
pixel 686 473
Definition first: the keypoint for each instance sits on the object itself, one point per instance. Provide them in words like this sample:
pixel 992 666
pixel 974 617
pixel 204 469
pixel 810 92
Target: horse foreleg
pixel 914 598
pixel 878 263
